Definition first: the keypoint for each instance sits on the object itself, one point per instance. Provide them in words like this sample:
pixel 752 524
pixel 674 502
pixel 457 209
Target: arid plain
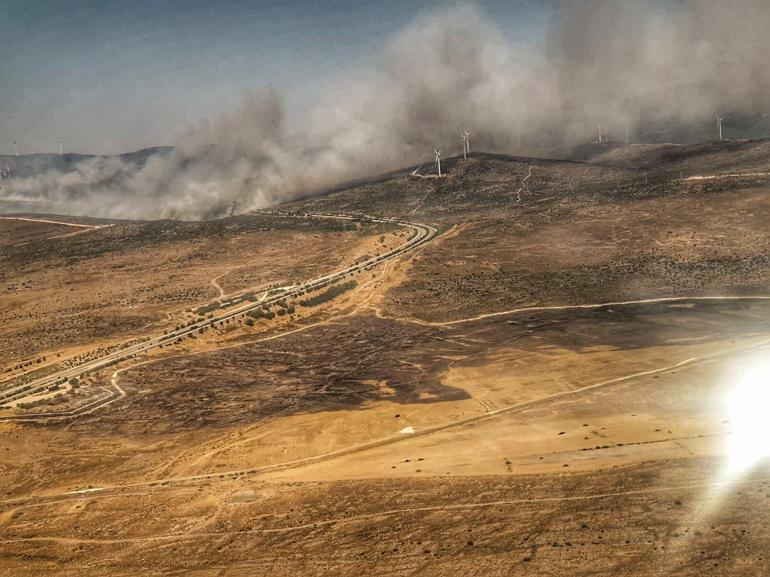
pixel 540 387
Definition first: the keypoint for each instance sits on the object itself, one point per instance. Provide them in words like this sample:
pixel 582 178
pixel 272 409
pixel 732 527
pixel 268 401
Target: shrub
pixel 205 309
pixel 329 294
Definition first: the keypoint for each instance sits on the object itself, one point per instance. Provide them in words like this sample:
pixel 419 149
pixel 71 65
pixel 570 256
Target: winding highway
pixel 420 234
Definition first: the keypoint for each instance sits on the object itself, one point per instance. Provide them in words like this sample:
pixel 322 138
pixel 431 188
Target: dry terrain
pixel 541 389
pixel 58 294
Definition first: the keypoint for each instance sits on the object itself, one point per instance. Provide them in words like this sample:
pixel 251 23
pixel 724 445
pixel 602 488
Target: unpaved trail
pixel 342 520
pixel 354 449
pixel 217 286
pixel 524 183
pixel 83 228
pixel 587 306
pixel 720 176
pixel 78 225
pixel 596 306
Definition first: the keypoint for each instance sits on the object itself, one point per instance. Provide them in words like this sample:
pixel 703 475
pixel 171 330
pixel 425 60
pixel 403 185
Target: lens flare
pixel 748 407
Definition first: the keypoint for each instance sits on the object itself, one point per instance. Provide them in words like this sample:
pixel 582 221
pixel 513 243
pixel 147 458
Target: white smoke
pixel 632 63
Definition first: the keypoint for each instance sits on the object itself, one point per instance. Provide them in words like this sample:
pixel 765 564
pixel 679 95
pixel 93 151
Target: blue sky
pixel 110 76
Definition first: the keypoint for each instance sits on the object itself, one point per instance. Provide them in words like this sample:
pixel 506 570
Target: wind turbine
pixel 438 160
pixel 466 144
pixel 719 125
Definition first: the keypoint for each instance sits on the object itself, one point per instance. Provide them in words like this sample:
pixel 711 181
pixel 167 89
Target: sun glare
pixel 748 406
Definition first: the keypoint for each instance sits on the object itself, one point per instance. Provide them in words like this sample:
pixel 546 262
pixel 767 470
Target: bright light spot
pixel 748 406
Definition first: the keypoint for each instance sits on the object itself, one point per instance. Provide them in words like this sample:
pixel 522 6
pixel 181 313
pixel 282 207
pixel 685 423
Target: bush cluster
pixel 329 294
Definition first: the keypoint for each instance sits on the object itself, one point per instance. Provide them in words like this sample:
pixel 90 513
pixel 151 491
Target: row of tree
pixel 329 294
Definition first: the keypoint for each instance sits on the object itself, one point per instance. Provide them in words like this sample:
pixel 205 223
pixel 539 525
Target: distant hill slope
pixel 488 183
pixel 33 164
pixel 710 157
pixel 483 186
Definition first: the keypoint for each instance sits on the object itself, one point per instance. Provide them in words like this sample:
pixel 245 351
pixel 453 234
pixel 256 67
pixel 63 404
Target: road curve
pixel 421 233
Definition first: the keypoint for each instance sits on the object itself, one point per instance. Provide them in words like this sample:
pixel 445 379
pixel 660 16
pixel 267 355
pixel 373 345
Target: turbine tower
pixel 719 125
pixel 60 149
pixel 466 144
pixel 438 160
pixel 15 148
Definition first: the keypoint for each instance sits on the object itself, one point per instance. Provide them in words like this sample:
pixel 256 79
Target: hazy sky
pixel 110 76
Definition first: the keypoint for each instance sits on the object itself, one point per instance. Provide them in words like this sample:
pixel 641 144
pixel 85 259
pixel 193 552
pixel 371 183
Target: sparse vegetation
pixel 326 405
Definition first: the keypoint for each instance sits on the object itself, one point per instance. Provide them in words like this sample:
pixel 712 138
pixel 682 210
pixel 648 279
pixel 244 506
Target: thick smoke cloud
pixel 656 65
pixel 633 65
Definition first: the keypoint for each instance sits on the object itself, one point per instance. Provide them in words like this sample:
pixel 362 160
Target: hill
pixel 709 157
pixel 33 164
pixel 527 366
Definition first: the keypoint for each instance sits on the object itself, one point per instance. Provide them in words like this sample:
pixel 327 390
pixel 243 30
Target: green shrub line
pixel 205 309
pixel 261 314
pixel 329 294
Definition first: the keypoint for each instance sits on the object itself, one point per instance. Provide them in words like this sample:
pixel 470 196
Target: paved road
pixel 421 233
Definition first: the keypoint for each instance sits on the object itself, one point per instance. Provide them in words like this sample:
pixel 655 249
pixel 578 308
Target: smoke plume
pixel 635 67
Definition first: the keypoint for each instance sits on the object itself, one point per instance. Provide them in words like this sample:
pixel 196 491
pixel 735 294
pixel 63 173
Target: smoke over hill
pixel 649 68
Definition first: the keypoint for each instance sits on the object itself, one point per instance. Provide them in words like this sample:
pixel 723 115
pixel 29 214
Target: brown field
pixel 131 279
pixel 15 232
pixel 540 390
pixel 674 246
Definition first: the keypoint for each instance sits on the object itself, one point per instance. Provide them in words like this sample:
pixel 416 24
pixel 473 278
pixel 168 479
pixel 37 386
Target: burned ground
pixel 584 253
pixel 342 365
pixel 417 427
pixel 709 157
pixel 351 363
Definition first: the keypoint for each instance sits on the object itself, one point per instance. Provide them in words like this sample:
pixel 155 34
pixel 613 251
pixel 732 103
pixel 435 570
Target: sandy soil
pixel 131 290
pixel 437 419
